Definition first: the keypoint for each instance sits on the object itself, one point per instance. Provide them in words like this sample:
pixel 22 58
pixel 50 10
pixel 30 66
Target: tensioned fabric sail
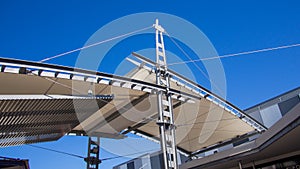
pixel 42 102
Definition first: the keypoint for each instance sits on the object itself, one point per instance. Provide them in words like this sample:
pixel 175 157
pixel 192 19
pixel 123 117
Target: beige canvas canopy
pixel 41 102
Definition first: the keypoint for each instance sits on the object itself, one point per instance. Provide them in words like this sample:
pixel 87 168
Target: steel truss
pixel 165 105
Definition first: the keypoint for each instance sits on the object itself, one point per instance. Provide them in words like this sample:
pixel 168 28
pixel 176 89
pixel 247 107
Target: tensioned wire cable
pixel 96 44
pixel 126 155
pixel 238 54
pixel 79 156
pixel 190 59
pixel 221 56
pixel 56 151
pixel 175 63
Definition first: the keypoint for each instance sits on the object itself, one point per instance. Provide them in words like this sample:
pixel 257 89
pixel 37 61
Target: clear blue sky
pixel 34 30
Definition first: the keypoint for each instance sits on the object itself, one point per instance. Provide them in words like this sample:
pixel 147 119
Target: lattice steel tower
pixel 165 107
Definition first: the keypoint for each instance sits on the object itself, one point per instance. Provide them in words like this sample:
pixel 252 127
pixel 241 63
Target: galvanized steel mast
pixel 165 107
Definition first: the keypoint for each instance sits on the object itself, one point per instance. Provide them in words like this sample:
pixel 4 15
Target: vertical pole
pixel 159 99
pixel 240 165
pixel 253 165
pixel 165 107
pixel 87 159
pixel 92 160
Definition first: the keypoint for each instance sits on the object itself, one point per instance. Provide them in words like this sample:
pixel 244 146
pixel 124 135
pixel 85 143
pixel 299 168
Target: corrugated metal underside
pixel 25 121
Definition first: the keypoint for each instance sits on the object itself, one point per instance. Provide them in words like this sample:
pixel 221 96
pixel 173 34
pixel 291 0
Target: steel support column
pixel 92 160
pixel 165 107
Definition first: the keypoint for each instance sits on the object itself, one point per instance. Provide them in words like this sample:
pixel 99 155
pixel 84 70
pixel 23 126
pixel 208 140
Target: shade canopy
pixel 42 102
